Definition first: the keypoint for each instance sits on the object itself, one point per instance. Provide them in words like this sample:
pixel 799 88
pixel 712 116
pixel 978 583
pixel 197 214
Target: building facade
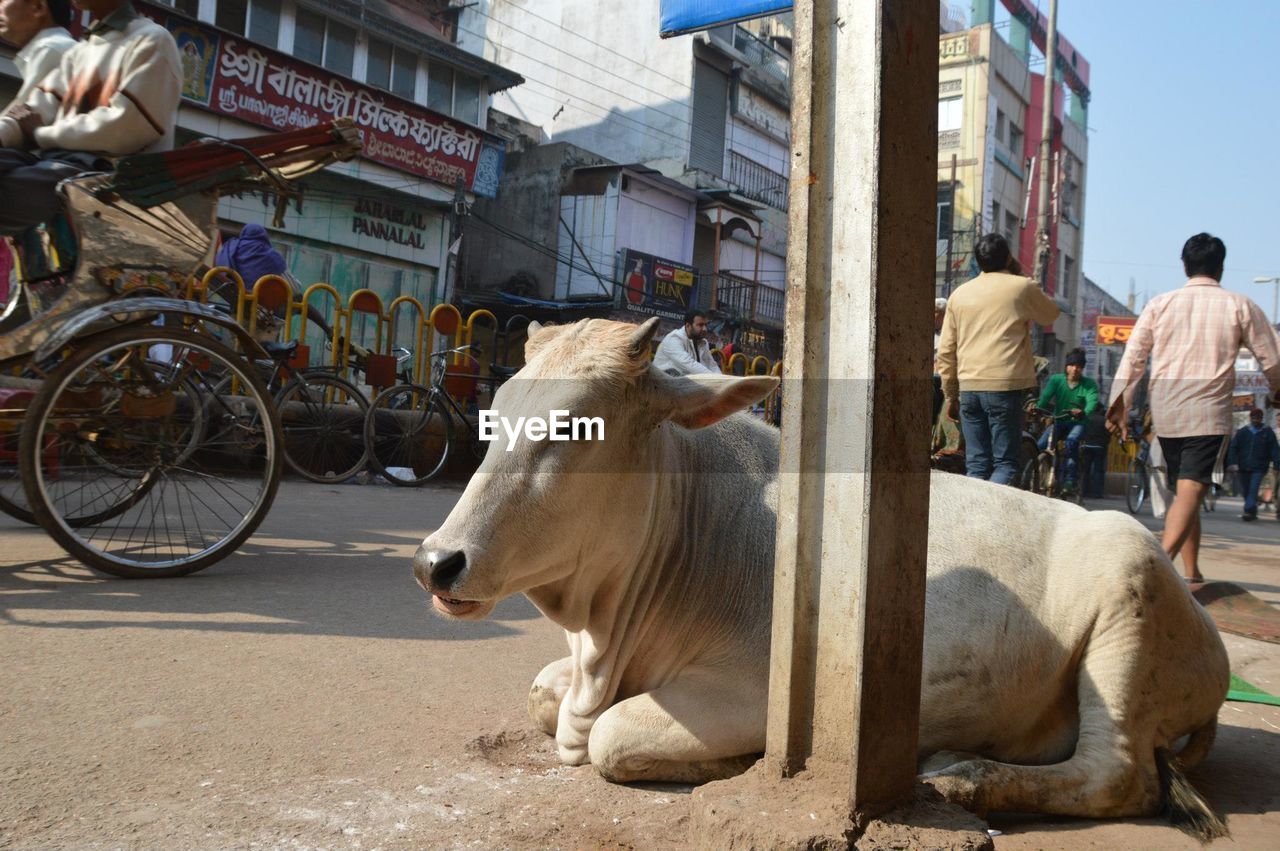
pixel 1102 361
pixel 682 149
pixel 990 107
pixel 381 221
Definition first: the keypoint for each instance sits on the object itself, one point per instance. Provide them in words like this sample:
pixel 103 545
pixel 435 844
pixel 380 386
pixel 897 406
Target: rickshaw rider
pixel 115 93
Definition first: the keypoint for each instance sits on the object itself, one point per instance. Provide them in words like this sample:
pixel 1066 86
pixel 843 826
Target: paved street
pixel 301 695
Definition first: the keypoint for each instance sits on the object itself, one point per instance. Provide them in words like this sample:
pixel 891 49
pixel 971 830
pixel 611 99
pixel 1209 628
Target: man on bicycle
pixel 1071 397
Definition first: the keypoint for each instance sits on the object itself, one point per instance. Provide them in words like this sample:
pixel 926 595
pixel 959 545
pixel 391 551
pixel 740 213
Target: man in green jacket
pixel 1071 397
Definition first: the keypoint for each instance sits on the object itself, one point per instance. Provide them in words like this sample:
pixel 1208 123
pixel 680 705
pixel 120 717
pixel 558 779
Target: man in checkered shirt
pixel 1193 336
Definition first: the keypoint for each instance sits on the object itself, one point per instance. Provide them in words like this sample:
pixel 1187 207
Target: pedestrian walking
pixel 1253 451
pixel 686 350
pixel 1093 454
pixel 1192 336
pixel 984 358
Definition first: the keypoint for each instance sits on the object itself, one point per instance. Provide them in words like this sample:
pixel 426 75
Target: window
pixel 1000 122
pixel 1068 278
pixel 440 88
pixel 950 114
pixel 404 73
pixel 321 41
pixel 264 22
pixel 378 67
pixel 944 212
pixel 995 217
pixel 1015 138
pixel 466 99
pixel 1011 223
pixel 392 68
pixel 339 48
pixel 308 37
pixel 231 15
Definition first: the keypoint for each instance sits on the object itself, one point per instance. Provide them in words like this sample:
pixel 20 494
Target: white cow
pixel 1063 656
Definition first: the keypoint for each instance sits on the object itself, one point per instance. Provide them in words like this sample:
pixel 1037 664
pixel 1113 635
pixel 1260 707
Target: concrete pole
pixel 1046 142
pixel 853 489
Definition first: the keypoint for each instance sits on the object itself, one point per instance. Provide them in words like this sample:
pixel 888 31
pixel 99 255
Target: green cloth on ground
pixel 1060 397
pixel 1247 692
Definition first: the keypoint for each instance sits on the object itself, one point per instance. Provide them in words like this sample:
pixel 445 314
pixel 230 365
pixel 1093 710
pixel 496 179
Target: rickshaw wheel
pixel 139 445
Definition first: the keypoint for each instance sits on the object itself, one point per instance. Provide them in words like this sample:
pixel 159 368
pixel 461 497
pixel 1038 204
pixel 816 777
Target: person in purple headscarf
pixel 252 256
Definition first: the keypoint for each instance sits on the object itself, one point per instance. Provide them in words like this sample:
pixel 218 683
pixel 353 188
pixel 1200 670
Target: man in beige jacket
pixel 984 358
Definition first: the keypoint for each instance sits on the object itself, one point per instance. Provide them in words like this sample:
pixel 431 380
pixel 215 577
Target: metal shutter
pixel 710 109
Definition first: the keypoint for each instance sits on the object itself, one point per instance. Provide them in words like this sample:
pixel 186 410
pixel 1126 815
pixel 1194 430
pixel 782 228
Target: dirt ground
pixel 301 695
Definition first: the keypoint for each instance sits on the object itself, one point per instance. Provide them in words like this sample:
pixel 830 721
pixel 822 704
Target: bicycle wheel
pixel 1136 486
pixel 122 429
pixel 322 417
pixel 1046 482
pixel 408 432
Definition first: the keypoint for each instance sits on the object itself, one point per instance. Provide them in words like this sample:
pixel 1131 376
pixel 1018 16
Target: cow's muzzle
pixel 438 570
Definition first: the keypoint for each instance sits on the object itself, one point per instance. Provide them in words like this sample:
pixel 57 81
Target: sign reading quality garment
pixel 655 286
pixel 686 16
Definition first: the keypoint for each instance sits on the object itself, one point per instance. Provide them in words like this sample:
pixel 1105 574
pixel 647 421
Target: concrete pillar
pixel 853 504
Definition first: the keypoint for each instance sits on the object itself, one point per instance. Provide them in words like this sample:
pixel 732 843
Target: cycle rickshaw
pixel 111 435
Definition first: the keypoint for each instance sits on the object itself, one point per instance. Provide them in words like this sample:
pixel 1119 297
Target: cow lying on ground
pixel 1063 657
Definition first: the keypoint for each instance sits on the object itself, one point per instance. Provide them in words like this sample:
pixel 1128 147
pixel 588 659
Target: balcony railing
pixel 758 182
pixel 741 299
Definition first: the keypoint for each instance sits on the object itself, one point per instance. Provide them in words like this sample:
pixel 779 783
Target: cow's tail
pixel 1184 807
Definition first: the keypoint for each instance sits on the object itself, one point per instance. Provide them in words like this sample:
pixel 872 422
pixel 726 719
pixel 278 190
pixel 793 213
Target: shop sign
pixel 656 286
pixel 231 76
pixel 1115 329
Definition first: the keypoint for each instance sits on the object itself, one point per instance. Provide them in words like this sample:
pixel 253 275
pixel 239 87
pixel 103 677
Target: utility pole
pixel 456 214
pixel 1046 145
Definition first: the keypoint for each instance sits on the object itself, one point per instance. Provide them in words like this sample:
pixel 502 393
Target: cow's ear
pixel 538 336
pixel 642 340
pixel 698 401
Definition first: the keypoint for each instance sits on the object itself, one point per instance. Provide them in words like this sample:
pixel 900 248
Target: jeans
pixel 1094 461
pixel 1072 432
pixel 1249 480
pixel 991 421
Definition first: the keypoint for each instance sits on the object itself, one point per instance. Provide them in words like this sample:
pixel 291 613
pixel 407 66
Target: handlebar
pixel 462 350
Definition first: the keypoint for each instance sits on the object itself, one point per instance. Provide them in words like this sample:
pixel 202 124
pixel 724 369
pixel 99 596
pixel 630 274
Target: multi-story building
pixel 381 221
pixel 667 182
pixel 989 128
pixel 1102 360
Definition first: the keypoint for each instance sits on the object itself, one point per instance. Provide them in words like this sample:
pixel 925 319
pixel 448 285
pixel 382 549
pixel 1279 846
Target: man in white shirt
pixel 39 29
pixel 115 93
pixel 685 350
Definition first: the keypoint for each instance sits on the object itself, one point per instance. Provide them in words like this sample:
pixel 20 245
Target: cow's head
pixel 561 515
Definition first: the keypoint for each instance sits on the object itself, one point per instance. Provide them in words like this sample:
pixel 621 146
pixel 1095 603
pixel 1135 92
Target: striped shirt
pixel 1193 336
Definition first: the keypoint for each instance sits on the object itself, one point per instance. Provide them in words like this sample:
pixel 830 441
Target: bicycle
pixel 1049 470
pixel 321 416
pixel 409 427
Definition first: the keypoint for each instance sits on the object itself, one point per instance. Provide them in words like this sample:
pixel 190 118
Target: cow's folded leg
pixel 547 691
pixel 1112 772
pixel 692 730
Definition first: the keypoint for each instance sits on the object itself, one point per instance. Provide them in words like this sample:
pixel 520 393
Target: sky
pixel 1183 126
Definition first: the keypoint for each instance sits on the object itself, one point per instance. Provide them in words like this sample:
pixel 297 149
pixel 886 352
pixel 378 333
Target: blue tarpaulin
pixel 685 16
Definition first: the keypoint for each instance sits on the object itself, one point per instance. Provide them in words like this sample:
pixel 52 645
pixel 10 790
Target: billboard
pixel 686 16
pixel 1115 329
pixel 234 77
pixel 656 286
